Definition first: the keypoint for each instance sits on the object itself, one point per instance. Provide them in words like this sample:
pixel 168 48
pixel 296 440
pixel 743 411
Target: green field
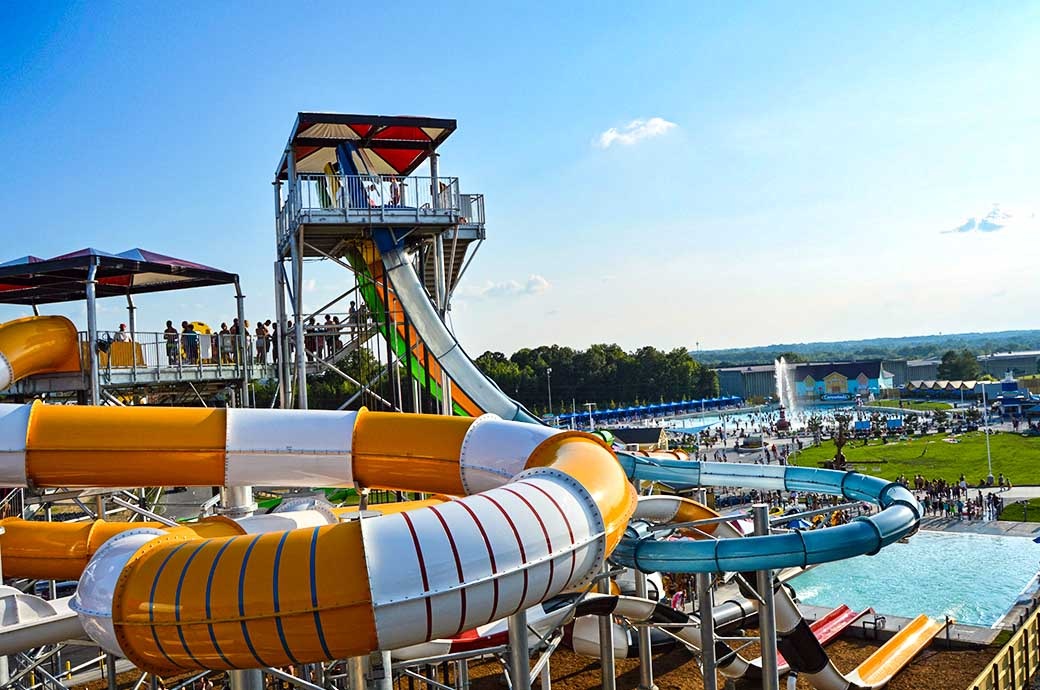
pixel 913 404
pixel 1014 511
pixel 1018 457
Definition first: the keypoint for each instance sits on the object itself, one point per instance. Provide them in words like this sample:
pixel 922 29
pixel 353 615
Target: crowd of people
pixel 193 343
pixel 941 498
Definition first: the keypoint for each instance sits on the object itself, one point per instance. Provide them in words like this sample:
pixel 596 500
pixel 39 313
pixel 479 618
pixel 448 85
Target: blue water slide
pixel 355 185
pixel 899 517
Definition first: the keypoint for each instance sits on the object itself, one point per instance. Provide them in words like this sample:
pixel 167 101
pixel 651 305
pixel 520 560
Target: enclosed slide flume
pixel 541 510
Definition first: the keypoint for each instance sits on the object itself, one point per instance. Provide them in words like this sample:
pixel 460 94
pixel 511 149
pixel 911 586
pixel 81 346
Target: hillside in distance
pixel 908 347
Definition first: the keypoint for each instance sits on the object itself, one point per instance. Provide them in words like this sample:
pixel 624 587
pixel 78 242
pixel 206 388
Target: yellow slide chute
pixel 37 345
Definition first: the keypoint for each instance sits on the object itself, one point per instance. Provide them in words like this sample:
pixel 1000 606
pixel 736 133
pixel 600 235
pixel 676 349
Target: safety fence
pixel 1016 664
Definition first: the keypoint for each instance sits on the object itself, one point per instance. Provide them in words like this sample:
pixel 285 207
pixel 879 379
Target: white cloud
pixel 535 285
pixel 997 218
pixel 634 131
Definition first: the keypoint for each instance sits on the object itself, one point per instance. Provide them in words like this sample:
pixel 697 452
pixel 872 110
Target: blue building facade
pixel 840 380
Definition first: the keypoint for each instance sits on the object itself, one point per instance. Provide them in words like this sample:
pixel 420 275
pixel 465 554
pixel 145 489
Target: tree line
pixel 910 347
pixel 604 374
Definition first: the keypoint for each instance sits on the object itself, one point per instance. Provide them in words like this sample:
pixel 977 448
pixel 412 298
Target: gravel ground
pixel 677 670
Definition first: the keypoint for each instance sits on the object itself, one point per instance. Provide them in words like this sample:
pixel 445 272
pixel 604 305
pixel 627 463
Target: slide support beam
pixel 606 637
pixel 646 659
pixel 704 606
pixel 519 654
pixel 767 611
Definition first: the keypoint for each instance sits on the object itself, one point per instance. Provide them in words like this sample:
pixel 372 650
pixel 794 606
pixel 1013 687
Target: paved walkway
pixel 994 527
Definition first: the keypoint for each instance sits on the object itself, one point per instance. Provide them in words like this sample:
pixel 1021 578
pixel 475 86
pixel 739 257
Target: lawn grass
pixel 914 404
pixel 1018 457
pixel 1014 511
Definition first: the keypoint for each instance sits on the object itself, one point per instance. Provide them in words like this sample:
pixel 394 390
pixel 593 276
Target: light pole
pixel 590 406
pixel 989 456
pixel 548 383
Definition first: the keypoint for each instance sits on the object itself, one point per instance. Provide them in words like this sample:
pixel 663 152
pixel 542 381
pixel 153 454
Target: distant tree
pixel 792 357
pixel 959 366
pixel 841 437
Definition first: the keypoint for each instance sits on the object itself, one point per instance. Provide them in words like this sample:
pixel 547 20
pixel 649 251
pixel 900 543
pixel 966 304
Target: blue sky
pixel 803 174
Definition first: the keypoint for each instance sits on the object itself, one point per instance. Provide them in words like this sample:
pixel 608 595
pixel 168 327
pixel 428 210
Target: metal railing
pixel 165 355
pixel 471 209
pixel 1016 664
pixel 364 192
pixel 377 197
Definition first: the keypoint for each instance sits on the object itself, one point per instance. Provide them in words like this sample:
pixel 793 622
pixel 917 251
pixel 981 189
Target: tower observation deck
pixel 341 180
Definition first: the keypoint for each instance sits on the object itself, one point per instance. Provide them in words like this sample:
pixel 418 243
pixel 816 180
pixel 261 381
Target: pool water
pixel 692 425
pixel 973 578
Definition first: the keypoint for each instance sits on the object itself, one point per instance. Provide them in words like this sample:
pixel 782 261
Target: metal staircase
pixel 454 259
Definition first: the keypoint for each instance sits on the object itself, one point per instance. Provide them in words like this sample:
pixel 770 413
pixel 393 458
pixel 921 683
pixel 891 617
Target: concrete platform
pixel 1002 528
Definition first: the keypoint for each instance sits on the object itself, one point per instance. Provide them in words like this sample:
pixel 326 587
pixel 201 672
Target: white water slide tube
pixel 441 343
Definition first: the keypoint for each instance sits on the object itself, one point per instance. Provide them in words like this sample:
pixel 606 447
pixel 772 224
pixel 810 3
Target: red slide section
pixel 830 626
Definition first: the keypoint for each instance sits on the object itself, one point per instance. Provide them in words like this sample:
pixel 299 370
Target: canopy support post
pixel 296 247
pixel 132 318
pixel 243 343
pixel 95 373
pixel 281 349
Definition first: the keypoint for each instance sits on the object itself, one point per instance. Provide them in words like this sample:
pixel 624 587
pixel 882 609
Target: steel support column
pixel 132 318
pixel 237 501
pixel 243 344
pixel 281 343
pixel 248 679
pixel 296 249
pixel 646 658
pixel 92 334
pixel 704 604
pixel 606 637
pixel 519 653
pixel 767 610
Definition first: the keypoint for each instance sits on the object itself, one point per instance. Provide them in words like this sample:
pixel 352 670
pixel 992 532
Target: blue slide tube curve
pixel 899 517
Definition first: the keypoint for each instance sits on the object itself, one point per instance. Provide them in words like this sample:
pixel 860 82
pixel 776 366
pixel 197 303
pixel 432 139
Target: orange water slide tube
pixel 61 550
pixel 539 511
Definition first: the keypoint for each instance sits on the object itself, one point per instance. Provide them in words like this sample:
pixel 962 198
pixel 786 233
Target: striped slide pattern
pixel 541 510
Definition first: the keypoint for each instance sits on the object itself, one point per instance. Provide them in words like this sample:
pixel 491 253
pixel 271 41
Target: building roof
pixel 388 144
pixel 638 435
pixel 32 280
pixel 1010 355
pixel 752 369
pixel 943 384
pixel 871 369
